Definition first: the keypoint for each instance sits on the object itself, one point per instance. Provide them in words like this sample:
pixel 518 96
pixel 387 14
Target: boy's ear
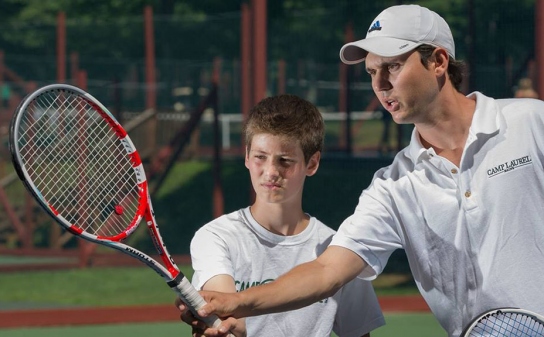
pixel 246 157
pixel 313 164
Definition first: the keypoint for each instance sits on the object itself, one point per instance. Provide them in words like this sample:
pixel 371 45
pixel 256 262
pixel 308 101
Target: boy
pixel 255 245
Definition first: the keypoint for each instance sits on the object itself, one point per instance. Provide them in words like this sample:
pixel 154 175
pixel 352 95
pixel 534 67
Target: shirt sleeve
pixel 358 310
pixel 209 256
pixel 372 230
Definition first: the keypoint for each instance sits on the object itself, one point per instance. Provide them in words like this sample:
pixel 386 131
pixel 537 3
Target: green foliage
pixel 288 20
pixel 307 34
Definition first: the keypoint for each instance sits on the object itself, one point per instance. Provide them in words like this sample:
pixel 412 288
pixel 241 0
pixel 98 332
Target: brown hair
pixel 289 116
pixel 456 69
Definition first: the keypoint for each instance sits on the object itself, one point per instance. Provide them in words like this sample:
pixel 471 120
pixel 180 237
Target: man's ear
pixel 441 61
pixel 313 164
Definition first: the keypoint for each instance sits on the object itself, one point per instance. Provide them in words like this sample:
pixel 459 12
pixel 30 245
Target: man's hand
pixel 221 304
pixel 200 329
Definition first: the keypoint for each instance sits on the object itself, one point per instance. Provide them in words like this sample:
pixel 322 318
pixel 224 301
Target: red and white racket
pixel 83 169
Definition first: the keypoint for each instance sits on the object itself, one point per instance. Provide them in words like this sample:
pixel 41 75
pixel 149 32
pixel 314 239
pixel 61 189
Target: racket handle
pixel 190 296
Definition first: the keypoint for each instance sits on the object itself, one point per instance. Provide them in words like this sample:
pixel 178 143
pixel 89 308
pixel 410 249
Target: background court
pixel 405 325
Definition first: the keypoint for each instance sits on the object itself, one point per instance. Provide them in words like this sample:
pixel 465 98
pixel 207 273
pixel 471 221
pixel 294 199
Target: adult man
pixel 464 199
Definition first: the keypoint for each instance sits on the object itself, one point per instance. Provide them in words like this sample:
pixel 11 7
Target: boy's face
pixel 277 168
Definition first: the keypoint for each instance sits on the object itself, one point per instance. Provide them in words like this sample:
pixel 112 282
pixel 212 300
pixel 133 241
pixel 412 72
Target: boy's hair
pixel 288 116
pixel 456 69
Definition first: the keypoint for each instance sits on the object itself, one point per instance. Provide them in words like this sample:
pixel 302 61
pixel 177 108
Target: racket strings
pixel 78 163
pixel 508 324
pixel 109 165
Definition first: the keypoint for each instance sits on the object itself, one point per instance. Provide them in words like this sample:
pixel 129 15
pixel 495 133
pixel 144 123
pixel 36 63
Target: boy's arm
pixel 302 286
pixel 225 283
pixel 212 271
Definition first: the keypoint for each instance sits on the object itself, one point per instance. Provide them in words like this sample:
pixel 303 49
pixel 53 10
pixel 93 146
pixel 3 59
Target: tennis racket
pixel 506 322
pixel 83 169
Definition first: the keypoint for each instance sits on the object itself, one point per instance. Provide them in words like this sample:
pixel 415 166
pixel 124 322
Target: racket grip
pixel 190 296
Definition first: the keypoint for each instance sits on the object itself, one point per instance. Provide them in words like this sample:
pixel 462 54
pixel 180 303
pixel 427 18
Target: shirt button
pixel 454 171
pixel 468 194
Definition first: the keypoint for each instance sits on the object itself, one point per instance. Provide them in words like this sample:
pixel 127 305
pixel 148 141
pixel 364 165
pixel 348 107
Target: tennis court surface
pixel 398 325
pixel 406 315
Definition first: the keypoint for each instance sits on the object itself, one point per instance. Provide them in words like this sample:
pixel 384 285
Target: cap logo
pixel 375 26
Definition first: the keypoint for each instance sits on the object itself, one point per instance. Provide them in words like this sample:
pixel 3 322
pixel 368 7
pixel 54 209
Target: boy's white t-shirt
pixel 236 245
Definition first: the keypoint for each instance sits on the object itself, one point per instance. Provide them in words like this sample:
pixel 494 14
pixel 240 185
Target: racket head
pixel 79 163
pixel 84 170
pixel 503 322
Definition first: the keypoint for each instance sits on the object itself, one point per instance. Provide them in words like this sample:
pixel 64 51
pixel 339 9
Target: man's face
pixel 403 85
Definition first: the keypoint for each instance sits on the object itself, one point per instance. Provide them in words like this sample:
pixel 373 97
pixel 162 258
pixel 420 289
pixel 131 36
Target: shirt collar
pixel 482 123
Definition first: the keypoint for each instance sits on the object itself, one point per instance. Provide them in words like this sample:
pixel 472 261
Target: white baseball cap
pixel 398 30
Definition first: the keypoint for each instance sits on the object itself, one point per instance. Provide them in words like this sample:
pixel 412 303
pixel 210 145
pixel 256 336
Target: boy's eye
pixel 259 156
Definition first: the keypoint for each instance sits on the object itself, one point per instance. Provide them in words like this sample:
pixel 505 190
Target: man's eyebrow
pixel 381 64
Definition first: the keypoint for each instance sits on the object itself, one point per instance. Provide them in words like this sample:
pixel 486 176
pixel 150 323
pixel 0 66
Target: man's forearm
pixel 303 285
pixel 294 290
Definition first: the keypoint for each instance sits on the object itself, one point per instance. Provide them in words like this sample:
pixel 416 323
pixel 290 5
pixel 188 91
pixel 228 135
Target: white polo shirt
pixel 474 234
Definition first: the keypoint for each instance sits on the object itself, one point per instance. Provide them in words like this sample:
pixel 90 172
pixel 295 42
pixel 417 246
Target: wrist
pixel 244 305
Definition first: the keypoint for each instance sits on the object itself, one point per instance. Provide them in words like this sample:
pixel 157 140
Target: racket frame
pixel 145 210
pixel 170 271
pixel 504 310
